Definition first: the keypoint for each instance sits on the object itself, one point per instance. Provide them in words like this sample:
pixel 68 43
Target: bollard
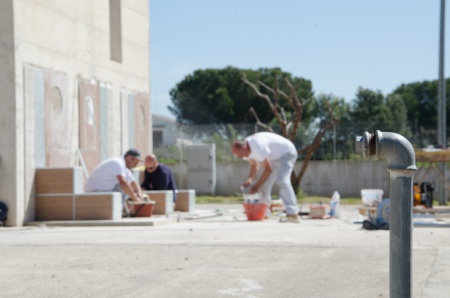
pixel 401 166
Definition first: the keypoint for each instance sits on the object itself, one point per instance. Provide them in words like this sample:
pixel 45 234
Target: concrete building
pixel 165 130
pixel 75 82
pixel 168 132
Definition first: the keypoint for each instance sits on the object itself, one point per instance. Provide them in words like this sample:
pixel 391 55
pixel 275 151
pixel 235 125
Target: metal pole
pixel 400 237
pixel 334 141
pixel 442 121
pixel 401 166
pixel 442 105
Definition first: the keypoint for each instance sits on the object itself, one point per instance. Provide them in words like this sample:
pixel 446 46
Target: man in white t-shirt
pixel 114 174
pixel 277 156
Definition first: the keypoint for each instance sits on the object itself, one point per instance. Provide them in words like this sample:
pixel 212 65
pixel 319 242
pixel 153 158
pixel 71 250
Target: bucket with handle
pixel 254 209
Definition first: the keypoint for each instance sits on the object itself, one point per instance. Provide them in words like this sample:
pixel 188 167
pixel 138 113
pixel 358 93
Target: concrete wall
pixel 10 127
pixel 68 40
pixel 322 178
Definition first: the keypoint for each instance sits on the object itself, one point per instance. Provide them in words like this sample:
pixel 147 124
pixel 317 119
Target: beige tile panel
pixel 88 206
pixel 163 201
pixel 94 207
pixel 185 200
pixel 54 207
pixel 58 180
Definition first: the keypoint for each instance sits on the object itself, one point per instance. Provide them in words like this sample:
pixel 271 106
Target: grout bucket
pixel 255 211
pixel 142 208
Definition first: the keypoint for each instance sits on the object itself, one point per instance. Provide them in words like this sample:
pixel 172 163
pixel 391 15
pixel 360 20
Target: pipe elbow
pixel 396 149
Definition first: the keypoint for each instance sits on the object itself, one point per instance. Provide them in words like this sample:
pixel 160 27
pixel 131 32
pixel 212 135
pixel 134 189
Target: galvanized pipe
pixel 401 166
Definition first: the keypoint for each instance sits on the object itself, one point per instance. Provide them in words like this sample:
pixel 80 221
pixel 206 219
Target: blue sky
pixel 338 45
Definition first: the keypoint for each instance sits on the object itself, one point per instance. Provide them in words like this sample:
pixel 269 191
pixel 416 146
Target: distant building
pixel 75 82
pixel 165 131
pixel 168 132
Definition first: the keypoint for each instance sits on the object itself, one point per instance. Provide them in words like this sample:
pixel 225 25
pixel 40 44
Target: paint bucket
pixel 255 211
pixel 142 208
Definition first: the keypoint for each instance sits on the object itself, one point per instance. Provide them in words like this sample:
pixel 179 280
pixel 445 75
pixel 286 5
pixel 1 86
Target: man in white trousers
pixel 277 156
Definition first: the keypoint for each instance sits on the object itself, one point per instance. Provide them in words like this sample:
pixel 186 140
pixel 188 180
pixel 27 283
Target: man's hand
pixel 138 198
pixel 254 189
pixel 247 182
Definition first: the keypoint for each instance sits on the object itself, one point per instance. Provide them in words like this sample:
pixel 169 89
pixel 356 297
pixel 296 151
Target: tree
pixel 340 138
pixel 398 120
pixel 369 106
pixel 378 112
pixel 218 96
pixel 286 96
pixel 420 99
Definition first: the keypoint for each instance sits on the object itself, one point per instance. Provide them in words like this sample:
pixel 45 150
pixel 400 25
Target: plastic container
pixel 371 197
pixel 255 211
pixel 251 198
pixel 317 211
pixel 334 204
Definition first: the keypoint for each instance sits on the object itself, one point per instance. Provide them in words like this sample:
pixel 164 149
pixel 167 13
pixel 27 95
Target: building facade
pixel 75 86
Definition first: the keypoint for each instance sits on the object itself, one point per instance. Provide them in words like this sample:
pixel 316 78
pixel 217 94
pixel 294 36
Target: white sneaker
pixel 290 218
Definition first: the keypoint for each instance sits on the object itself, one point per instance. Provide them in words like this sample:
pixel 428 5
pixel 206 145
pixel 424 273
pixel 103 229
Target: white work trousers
pixel 281 175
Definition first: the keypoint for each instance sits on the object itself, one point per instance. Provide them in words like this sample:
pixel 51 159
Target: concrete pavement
pixel 221 256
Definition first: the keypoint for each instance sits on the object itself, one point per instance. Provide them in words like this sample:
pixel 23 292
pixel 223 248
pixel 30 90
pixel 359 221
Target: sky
pixel 338 45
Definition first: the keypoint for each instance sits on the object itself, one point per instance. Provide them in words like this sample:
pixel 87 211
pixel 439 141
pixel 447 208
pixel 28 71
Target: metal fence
pixel 169 143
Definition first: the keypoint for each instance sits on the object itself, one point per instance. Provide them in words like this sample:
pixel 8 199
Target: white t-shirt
pixel 104 176
pixel 268 145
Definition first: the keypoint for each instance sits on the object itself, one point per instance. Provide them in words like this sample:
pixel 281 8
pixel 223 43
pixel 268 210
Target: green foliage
pixel 379 112
pixel 219 199
pixel 223 143
pixel 218 96
pixel 420 99
pixel 170 154
pixel 168 161
pixel 397 120
pixel 369 106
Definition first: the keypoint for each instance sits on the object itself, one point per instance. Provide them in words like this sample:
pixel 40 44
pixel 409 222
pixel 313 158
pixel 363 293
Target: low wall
pixel 322 178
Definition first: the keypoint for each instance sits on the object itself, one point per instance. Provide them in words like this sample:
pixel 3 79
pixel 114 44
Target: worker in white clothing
pixel 114 174
pixel 277 156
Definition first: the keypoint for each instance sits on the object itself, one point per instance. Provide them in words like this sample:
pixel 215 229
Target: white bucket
pixel 251 198
pixel 371 197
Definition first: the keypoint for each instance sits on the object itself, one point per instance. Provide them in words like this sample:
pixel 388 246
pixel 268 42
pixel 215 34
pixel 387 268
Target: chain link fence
pixel 170 142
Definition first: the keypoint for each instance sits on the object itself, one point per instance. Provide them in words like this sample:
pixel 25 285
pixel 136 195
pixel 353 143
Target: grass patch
pixel 219 200
pixel 301 200
pixel 326 200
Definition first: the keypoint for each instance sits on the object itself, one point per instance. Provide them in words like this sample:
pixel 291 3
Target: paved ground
pixel 221 256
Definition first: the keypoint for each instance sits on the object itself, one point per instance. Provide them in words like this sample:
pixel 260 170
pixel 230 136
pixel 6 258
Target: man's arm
pixel 253 171
pixel 136 188
pixel 126 187
pixel 265 174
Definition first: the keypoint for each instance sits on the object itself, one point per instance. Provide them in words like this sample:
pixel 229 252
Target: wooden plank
pixel 433 210
pixel 58 180
pixel 185 200
pixel 54 207
pixel 438 155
